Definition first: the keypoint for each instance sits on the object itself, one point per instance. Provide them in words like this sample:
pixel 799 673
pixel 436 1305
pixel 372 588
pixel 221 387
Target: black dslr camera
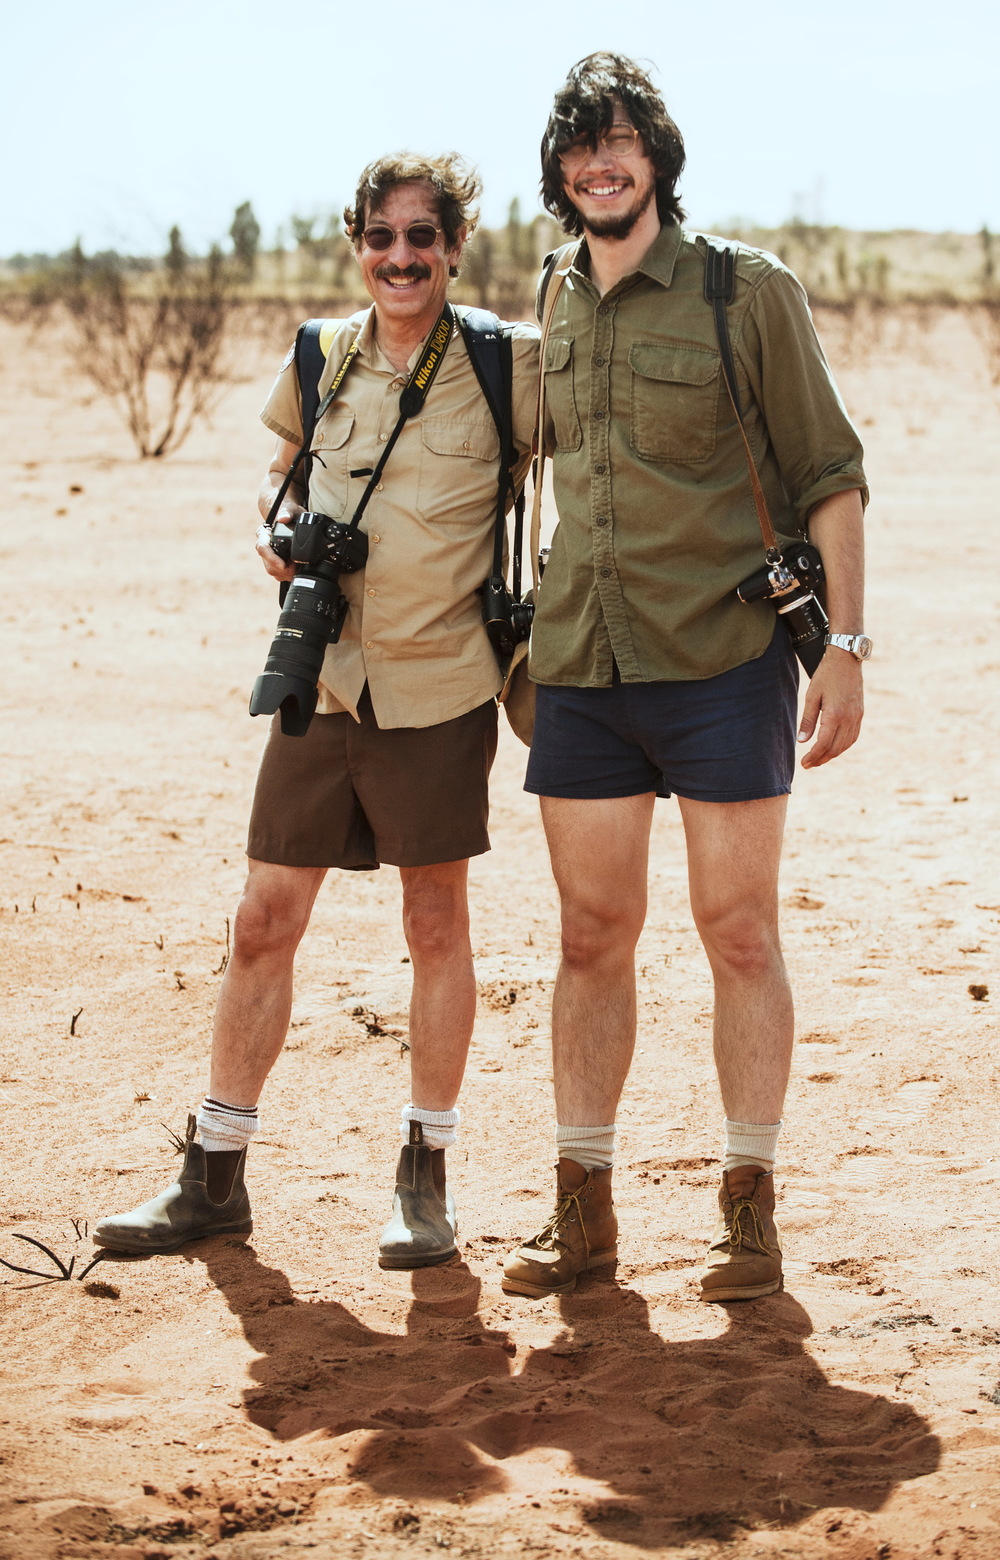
pixel 791 584
pixel 313 610
pixel 507 621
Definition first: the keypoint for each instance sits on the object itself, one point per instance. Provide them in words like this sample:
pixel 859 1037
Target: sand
pixel 285 1396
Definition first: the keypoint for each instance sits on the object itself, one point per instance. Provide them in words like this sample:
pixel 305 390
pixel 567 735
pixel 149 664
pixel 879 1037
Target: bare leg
pixel 733 854
pixel 599 852
pixel 255 1003
pixel 443 1004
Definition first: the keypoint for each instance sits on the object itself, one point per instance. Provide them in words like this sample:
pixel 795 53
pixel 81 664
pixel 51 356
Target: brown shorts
pixel 354 796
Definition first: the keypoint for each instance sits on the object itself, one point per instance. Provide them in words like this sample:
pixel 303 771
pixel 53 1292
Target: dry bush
pixel 153 345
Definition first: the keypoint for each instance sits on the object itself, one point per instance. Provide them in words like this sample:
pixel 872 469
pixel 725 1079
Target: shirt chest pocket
pixel 560 393
pixel 674 402
pixel 459 470
pixel 329 481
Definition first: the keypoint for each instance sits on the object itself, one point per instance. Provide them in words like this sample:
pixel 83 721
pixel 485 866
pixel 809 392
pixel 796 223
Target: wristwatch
pixel 858 645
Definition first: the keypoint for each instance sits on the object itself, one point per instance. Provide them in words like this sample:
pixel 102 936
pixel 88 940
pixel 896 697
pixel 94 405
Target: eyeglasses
pixel 618 139
pixel 419 235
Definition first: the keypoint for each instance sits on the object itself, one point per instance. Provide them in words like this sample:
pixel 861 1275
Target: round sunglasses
pixel 419 235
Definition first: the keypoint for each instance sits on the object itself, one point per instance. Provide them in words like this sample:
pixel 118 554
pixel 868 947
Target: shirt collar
pixel 657 263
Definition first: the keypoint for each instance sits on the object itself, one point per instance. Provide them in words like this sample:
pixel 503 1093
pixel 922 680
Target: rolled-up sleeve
pixel 282 411
pixel 816 445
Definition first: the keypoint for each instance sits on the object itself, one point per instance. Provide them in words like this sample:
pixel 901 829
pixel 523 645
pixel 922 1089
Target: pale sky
pixel 122 117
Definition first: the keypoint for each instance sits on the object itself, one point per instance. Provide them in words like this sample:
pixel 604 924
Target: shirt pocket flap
pixel 333 431
pixel 478 441
pixel 558 352
pixel 678 365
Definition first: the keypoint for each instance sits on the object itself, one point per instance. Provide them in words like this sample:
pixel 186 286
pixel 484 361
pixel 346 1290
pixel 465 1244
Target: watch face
pixel 863 646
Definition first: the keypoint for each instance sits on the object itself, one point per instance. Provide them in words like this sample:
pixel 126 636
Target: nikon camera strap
pixel 411 402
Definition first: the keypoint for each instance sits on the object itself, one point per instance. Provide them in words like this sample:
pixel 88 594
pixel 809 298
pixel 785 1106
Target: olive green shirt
pixel 657 524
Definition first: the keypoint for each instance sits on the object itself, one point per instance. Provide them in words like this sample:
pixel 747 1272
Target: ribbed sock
pixel 440 1126
pixel 224 1128
pixel 750 1143
pixel 591 1147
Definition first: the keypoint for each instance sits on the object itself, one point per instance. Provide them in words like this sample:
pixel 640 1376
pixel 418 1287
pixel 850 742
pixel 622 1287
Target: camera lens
pixel 311 616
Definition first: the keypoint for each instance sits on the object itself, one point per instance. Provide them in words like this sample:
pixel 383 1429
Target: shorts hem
pixel 734 796
pixel 587 794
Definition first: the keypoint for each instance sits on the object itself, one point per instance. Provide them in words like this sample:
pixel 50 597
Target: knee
pixel 435 923
pixel 594 934
pixel 266 925
pixel 740 944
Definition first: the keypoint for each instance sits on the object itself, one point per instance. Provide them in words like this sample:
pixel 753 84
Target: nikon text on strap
pixel 410 403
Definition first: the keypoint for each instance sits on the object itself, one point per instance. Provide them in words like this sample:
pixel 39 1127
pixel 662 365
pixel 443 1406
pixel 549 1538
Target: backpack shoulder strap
pixel 488 345
pixel 549 264
pixel 312 342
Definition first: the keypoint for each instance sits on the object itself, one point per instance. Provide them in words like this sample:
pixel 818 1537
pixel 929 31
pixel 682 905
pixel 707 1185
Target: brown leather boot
pixel 744 1259
pixel 183 1212
pixel 582 1233
pixel 424 1223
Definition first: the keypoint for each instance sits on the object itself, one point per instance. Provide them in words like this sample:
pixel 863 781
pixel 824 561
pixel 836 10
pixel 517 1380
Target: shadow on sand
pixel 701 1436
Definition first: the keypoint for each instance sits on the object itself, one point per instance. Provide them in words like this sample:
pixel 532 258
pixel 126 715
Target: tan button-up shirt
pixel 414 631
pixel 657 524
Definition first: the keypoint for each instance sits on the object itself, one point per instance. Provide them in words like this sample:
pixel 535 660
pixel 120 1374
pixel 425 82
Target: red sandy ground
pixel 286 1396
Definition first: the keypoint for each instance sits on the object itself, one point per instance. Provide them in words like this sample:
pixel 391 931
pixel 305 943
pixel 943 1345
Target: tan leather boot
pixel 744 1259
pixel 183 1212
pixel 424 1223
pixel 582 1233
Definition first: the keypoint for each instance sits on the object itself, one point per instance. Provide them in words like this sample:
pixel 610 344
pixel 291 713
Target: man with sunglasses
pixel 652 676
pixel 395 764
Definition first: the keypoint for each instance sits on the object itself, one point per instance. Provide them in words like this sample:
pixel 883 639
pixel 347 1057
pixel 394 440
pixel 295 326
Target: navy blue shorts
pixel 729 738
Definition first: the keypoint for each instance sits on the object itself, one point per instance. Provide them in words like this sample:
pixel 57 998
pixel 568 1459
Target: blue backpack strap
pixel 491 352
pixel 310 361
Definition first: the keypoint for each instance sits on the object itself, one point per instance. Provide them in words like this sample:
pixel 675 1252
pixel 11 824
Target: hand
pixel 276 567
pixel 836 701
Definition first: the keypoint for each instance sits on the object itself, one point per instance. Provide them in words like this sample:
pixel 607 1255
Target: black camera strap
pixel 410 403
pixel 720 288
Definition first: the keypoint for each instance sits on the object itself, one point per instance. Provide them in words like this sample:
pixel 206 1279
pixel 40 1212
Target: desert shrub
pixel 152 344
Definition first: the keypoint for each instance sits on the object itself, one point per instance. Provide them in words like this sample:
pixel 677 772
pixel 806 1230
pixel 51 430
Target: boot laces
pixel 549 1239
pixel 738 1236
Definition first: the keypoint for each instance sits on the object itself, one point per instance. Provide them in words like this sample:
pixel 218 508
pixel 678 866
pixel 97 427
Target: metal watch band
pixel 858 645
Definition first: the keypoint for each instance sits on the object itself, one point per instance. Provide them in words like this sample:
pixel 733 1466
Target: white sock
pixel 223 1128
pixel 591 1147
pixel 440 1126
pixel 750 1143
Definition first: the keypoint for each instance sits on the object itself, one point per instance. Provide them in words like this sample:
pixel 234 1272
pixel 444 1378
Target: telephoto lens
pixel 311 618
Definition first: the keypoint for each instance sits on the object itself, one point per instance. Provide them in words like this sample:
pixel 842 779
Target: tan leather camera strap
pixel 552 287
pixel 720 287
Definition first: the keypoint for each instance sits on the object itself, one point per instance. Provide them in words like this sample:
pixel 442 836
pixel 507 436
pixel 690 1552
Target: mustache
pixel 417 272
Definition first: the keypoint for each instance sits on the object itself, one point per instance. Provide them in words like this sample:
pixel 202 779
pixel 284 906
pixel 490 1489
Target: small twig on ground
pixel 72 1022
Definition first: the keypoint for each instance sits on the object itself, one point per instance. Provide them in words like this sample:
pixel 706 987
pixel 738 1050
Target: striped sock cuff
pixel 440 1126
pixel 591 1147
pixel 223 1128
pixel 751 1143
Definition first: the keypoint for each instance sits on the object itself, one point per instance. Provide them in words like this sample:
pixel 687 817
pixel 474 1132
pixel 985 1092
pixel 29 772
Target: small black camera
pixel 507 621
pixel 313 611
pixel 792 583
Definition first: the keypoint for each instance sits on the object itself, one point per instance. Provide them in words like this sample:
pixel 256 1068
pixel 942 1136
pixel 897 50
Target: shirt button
pixel 605 574
pixel 599 362
pixel 376 538
pixel 318 439
pixel 466 445
pixel 601 520
pixel 600 416
pixel 371 593
pixel 369 644
pixel 382 437
pixel 600 469
pixel 603 309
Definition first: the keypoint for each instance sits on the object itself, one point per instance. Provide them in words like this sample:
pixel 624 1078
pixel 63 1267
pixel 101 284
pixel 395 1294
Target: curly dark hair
pixel 456 186
pixel 585 105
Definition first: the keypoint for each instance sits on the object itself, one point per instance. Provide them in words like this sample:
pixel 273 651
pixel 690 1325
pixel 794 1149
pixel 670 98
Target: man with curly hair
pixel 653 677
pixel 395 764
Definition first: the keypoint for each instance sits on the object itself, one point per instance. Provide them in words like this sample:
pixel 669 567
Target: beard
pixel 621 225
